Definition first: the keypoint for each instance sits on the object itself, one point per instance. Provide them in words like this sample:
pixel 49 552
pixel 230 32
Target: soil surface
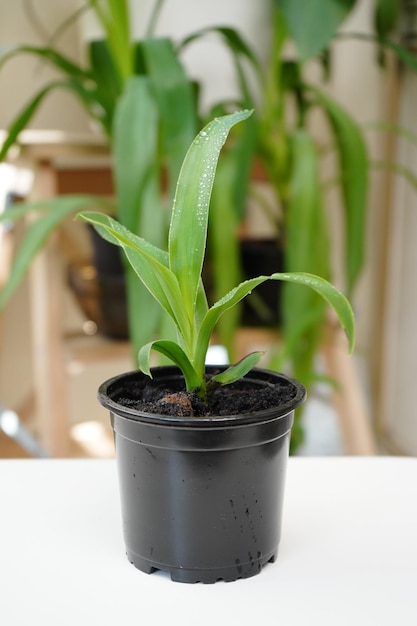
pixel 242 397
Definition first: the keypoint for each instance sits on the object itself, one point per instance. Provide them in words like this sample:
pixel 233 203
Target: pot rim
pixel 257 375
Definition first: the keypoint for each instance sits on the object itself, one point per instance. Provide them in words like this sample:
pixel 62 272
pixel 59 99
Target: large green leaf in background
pixel 135 169
pixel 224 246
pixel 312 23
pixel 114 18
pixel 306 250
pixel 135 133
pixel 353 166
pixel 50 213
pixel 386 16
pixel 174 95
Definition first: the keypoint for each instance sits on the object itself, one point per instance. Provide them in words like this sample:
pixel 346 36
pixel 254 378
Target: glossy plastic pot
pixel 201 497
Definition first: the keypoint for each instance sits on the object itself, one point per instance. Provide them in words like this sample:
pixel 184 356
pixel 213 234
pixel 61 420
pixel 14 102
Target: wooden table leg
pixel 348 398
pixel 46 321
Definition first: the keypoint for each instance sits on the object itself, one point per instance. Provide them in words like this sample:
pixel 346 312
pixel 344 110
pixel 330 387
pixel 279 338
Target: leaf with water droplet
pixel 188 229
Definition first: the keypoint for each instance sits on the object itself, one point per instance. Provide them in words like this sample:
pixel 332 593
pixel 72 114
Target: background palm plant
pixel 139 94
pixel 139 89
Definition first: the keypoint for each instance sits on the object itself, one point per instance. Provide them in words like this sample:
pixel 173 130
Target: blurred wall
pixel 23 76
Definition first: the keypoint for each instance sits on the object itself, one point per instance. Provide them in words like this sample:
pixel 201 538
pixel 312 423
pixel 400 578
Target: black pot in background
pixel 201 497
pixel 100 288
pixel 111 284
pixel 262 257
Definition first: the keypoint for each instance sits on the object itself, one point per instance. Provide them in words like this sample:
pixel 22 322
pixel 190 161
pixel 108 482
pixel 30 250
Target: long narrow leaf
pixel 386 16
pixel 24 117
pixel 242 56
pixel 115 21
pixel 176 103
pixel 236 371
pixel 354 167
pixel 175 354
pixel 135 147
pixel 136 171
pixel 150 265
pixel 398 168
pixel 307 246
pixel 395 129
pixel 54 211
pixel 59 61
pixel 404 55
pixel 325 289
pixel 22 120
pixel 188 230
pixel 104 72
pixel 224 244
pixel 231 36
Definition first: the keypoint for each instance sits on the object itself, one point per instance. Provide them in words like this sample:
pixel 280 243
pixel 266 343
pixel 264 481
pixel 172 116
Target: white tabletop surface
pixel 348 553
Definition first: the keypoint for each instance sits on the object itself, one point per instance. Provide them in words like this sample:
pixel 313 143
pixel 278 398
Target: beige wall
pixel 23 76
pixel 397 416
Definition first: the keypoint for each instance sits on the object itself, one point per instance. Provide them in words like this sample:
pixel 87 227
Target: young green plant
pixel 173 277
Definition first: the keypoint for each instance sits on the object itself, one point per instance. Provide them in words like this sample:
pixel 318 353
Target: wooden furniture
pixel 45 152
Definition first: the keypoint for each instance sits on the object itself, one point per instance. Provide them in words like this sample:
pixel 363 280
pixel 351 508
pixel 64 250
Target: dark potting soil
pixel 242 397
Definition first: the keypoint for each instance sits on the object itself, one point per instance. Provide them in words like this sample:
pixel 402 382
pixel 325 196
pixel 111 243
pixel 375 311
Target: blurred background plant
pixel 140 95
pixel 141 98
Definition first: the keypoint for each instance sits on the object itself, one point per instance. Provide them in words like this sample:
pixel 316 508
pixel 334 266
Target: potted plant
pixel 201 451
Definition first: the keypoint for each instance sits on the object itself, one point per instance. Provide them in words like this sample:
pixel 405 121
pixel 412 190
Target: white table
pixel 348 554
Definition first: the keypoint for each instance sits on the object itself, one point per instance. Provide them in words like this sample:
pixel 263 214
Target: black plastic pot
pixel 201 497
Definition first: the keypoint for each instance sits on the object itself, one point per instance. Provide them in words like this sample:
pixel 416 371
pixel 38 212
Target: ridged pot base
pixel 182 575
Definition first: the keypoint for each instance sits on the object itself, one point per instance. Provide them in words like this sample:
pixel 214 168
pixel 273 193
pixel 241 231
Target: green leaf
pixel 174 352
pixel 52 213
pixel 136 171
pixel 153 20
pixel 386 16
pixel 150 265
pixel 115 20
pixel 354 168
pixel 236 371
pixel 402 53
pixel 104 72
pixel 408 58
pixel 403 171
pixel 24 117
pixel 396 129
pixel 22 120
pixel 241 52
pixel 325 289
pixel 57 60
pixel 313 23
pixel 307 246
pixel 135 146
pixel 188 230
pixel 232 38
pixel 144 313
pixel 306 236
pixel 224 244
pixel 174 95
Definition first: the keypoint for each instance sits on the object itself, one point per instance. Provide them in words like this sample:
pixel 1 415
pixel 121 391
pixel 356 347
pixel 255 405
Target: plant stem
pixel 150 31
